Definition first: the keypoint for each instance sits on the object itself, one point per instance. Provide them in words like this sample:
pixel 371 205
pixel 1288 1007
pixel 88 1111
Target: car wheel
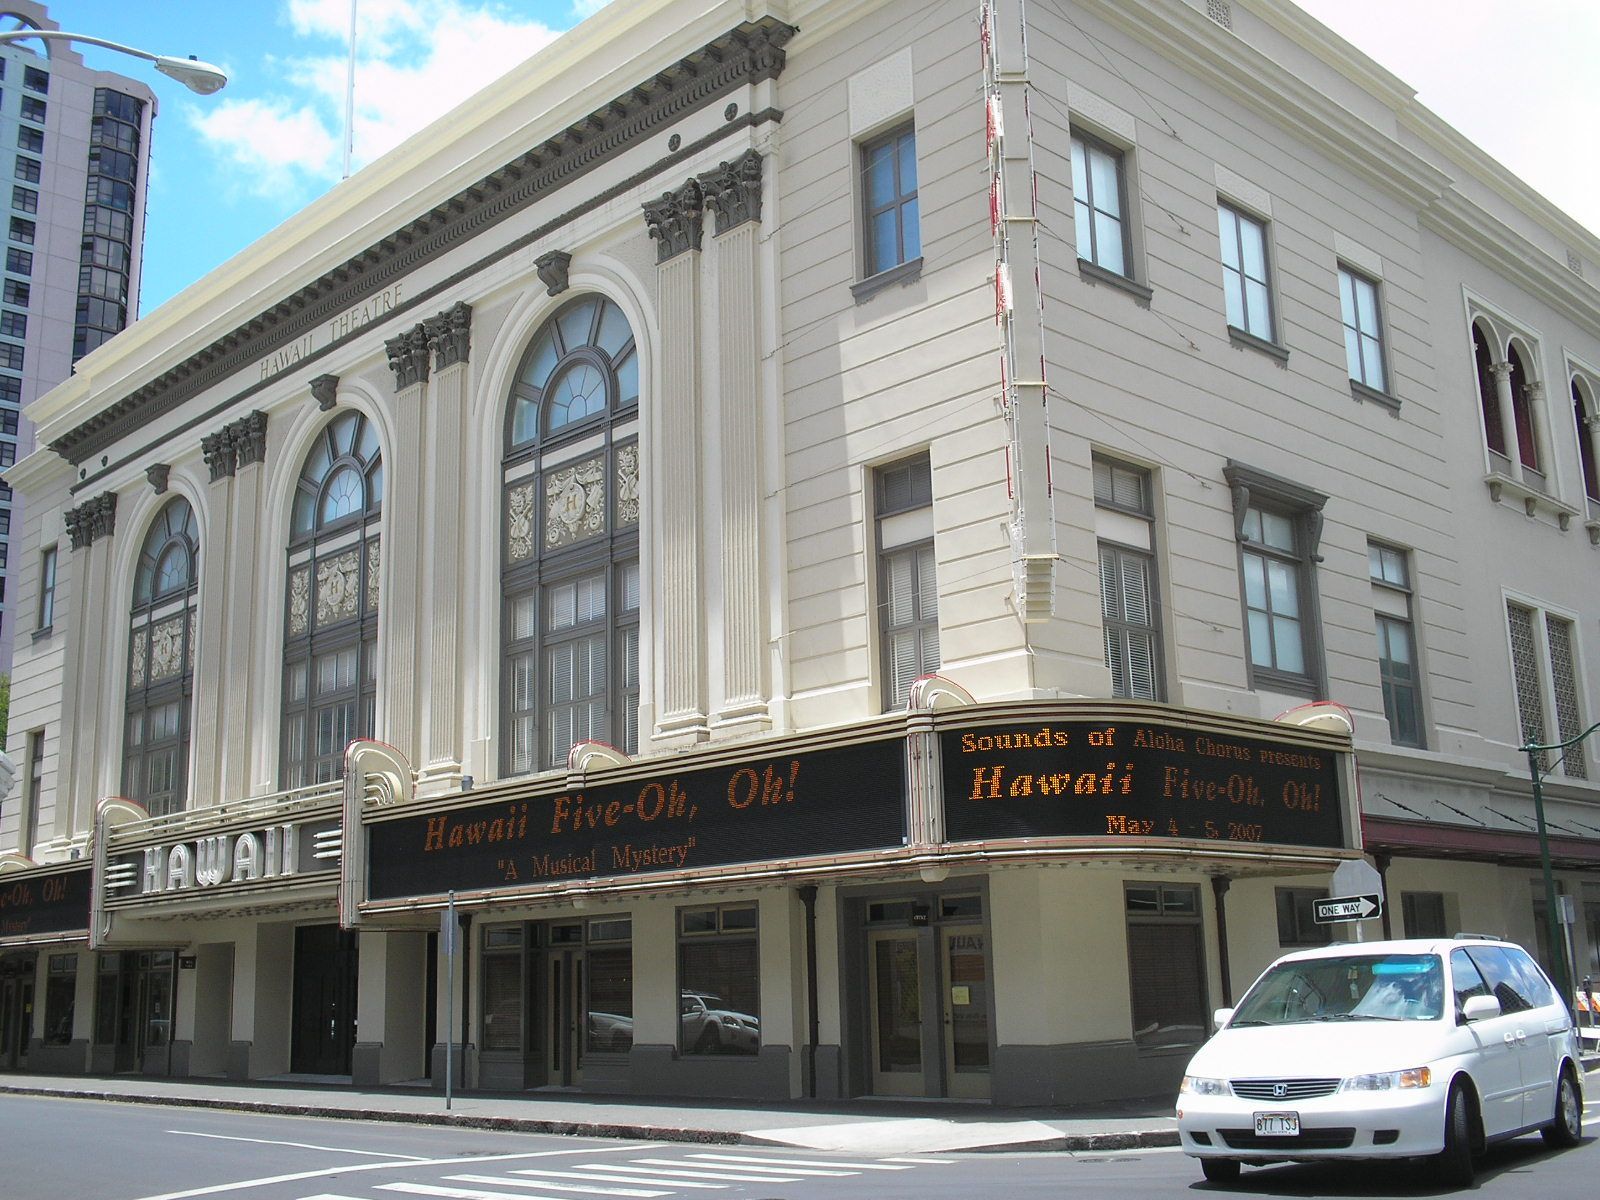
pixel 1220 1170
pixel 1567 1127
pixel 1454 1162
pixel 708 1041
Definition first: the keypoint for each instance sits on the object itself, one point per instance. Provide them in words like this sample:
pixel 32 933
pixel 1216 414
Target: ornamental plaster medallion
pixel 519 522
pixel 575 503
pixel 374 558
pixel 338 587
pixel 628 485
pixel 166 649
pixel 299 599
pixel 138 656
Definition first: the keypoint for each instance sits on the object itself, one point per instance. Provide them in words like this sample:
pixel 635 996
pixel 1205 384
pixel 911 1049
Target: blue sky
pixel 230 167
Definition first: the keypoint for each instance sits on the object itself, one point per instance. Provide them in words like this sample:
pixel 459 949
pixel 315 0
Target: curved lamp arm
pixel 197 76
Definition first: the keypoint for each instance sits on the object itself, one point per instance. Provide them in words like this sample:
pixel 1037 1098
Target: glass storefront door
pixel 895 984
pixel 16 1011
pixel 965 975
pixel 565 1014
pixel 134 996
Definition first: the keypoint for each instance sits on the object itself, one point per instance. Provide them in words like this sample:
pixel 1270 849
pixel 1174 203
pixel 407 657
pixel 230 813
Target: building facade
pixel 792 550
pixel 75 153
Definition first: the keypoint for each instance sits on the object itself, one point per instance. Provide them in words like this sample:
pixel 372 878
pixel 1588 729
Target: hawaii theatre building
pixel 790 549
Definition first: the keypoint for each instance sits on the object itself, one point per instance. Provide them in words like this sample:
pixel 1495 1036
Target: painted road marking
pixel 598 1167
pixel 793 1162
pixel 223 1137
pixel 797 1172
pixel 554 1187
pixel 449 1193
pixel 672 1176
pixel 241 1185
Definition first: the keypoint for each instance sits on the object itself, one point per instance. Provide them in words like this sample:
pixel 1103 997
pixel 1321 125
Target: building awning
pixel 1428 839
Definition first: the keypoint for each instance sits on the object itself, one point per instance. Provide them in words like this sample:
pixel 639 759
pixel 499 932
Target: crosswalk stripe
pixel 555 1187
pixel 710 1187
pixel 433 1189
pixel 794 1162
pixel 917 1162
pixel 800 1172
pixel 330 1196
pixel 677 1173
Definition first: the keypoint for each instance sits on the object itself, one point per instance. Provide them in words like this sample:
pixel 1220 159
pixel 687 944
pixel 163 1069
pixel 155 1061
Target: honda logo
pixel 1280 1090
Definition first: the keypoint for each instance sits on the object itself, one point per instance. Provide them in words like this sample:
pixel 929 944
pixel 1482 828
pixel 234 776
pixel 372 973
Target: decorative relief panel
pixel 374 560
pixel 628 485
pixel 166 649
pixel 299 600
pixel 575 503
pixel 338 587
pixel 138 656
pixel 188 660
pixel 519 522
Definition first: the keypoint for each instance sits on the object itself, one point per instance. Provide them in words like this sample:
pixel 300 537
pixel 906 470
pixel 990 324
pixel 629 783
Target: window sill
pixel 903 274
pixel 1244 340
pixel 1383 399
pixel 1271 680
pixel 1094 273
pixel 43 632
pixel 1504 487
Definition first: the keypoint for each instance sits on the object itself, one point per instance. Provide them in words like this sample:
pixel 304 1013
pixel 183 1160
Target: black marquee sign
pixel 36 905
pixel 1145 779
pixel 781 806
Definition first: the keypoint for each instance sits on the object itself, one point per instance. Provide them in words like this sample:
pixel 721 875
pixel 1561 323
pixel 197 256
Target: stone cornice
pixel 750 53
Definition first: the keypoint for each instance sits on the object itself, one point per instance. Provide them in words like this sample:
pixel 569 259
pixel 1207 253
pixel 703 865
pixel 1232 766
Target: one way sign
pixel 1347 908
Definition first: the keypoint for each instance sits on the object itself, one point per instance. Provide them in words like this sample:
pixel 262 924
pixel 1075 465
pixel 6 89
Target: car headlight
pixel 1198 1085
pixel 729 1021
pixel 1384 1081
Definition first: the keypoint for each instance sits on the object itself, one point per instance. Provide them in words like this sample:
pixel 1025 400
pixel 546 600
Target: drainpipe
pixel 466 989
pixel 808 897
pixel 1219 889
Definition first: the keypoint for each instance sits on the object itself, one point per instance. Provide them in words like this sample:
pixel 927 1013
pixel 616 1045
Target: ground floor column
pixel 391 1013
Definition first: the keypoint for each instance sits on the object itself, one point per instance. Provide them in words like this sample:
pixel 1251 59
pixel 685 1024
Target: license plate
pixel 1277 1124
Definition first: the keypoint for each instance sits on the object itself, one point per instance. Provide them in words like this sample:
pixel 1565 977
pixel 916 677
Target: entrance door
pixel 964 968
pixel 565 1014
pixel 324 1014
pixel 895 983
pixel 16 1019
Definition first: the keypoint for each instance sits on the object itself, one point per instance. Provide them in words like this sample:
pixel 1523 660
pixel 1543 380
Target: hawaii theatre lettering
pixel 351 320
pixel 275 853
pixel 1137 779
pixel 849 798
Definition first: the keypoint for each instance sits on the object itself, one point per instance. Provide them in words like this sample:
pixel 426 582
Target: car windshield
pixel 1352 987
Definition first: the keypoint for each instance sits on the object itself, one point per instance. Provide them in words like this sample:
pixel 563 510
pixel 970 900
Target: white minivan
pixel 1388 1049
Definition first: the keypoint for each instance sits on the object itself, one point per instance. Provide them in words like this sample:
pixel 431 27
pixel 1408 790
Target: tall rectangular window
pixel 47 587
pixel 719 980
pixel 13 324
pixel 1099 205
pixel 17 292
pixel 1397 643
pixel 1245 282
pixel 889 195
pixel 1278 526
pixel 60 999
pixel 1544 656
pixel 1124 521
pixel 36 80
pixel 24 199
pixel 1423 913
pixel 27 169
pixel 30 139
pixel 1166 965
pixel 908 594
pixel 19 262
pixel 34 795
pixel 1363 330
pixel 33 109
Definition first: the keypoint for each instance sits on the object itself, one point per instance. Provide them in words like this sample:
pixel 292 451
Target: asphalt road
pixel 86 1150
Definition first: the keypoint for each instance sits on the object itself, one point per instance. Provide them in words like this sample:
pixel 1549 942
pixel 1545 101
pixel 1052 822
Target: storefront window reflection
pixel 719 981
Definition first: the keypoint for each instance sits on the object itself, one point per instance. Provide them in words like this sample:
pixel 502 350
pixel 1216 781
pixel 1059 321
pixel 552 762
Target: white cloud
pixel 414 62
pixel 582 9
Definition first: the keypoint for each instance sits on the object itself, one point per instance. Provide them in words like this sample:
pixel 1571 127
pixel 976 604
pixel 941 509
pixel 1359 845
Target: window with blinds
pixel 1124 520
pixel 908 594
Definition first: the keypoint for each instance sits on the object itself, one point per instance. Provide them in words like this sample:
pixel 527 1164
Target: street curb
pixel 1069 1143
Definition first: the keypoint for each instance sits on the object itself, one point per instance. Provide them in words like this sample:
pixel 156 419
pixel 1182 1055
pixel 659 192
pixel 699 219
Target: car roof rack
pixel 1464 936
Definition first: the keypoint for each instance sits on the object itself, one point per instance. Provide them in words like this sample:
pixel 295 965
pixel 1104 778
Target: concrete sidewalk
pixel 876 1127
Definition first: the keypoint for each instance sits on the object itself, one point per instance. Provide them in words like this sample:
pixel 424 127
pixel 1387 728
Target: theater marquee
pixel 1125 779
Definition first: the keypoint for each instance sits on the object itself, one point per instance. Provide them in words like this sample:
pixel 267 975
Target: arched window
pixel 570 579
pixel 331 615
pixel 1522 411
pixel 1494 432
pixel 155 758
pixel 1582 414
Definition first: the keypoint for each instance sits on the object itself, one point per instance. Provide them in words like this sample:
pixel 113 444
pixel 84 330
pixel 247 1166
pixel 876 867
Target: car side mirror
pixel 1480 1008
pixel 1222 1016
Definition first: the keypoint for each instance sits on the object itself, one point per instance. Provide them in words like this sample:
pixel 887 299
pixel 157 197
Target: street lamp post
pixel 197 76
pixel 1552 918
